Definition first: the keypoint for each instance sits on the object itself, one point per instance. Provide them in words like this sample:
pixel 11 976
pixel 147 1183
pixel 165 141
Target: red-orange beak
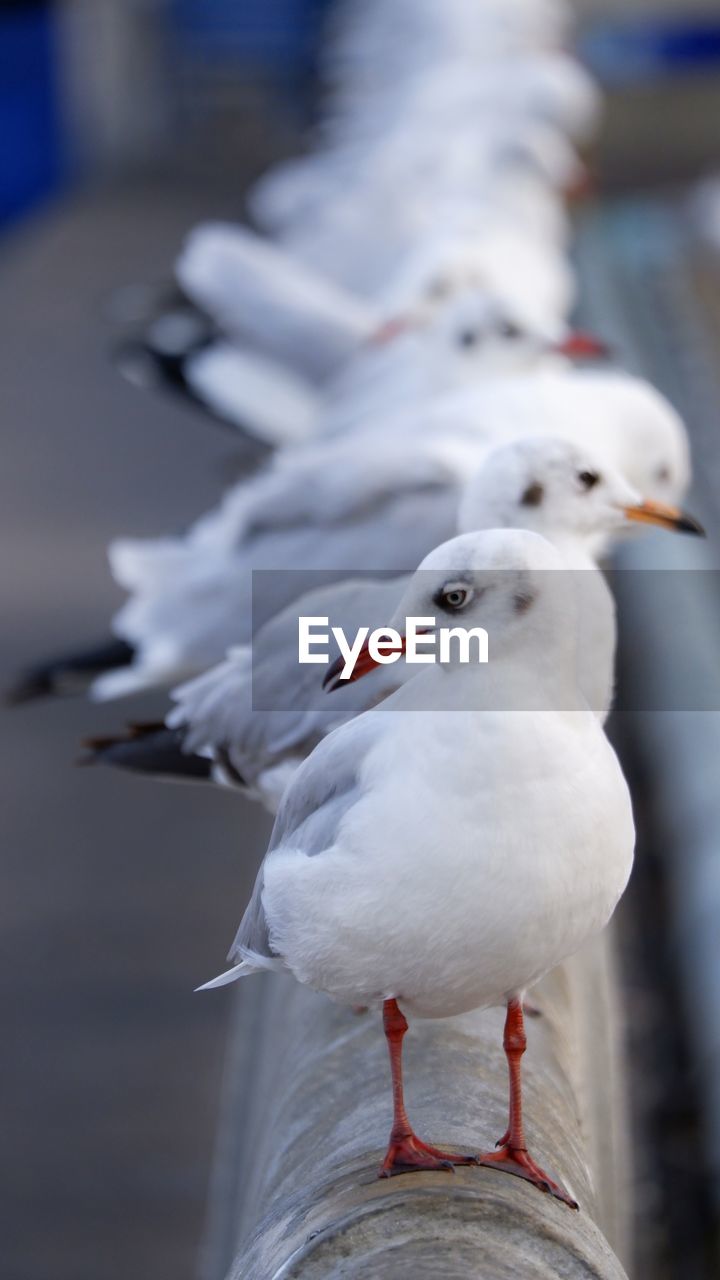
pixel 364 663
pixel 391 329
pixel 582 346
pixel 580 188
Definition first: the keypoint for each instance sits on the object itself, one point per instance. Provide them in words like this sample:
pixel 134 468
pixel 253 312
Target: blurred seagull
pixel 418 177
pixel 289 341
pixel 623 418
pixel 274 345
pixel 377 498
pixel 250 721
pixel 361 54
pixel 417 356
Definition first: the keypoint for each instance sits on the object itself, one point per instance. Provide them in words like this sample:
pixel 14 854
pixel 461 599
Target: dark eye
pixel 438 288
pixel 662 475
pixel 522 601
pixel 588 479
pixel 468 338
pixel 507 329
pixel 453 597
pixel 533 495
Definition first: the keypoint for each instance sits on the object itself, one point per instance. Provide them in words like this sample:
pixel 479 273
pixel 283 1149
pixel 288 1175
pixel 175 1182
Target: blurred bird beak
pixel 363 664
pixel 392 329
pixel 581 187
pixel 582 346
pixel 664 516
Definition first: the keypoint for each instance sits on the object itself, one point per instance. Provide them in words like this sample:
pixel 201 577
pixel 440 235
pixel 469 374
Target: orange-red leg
pixel 512 1155
pixel 406 1152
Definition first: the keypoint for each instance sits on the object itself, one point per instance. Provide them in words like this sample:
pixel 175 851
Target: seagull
pixel 376 498
pixel 471 135
pixel 469 343
pixel 420 175
pixel 443 852
pixel 420 354
pixel 514 197
pixel 258 292
pixel 442 77
pixel 361 52
pixel 623 418
pixel 229 725
pixel 268 344
pixel 289 341
pixel 545 86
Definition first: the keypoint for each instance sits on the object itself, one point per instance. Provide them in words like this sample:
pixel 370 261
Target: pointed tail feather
pixel 242 970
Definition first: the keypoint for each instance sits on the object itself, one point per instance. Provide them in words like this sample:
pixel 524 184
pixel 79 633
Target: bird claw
pixel 409 1154
pixel 517 1162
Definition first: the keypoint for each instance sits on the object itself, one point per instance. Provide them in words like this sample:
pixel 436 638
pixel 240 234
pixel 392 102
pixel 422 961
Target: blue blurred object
pixel 281 34
pixel 641 49
pixel 30 139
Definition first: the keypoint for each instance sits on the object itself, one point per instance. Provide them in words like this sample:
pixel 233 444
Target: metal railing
pixel 306 1116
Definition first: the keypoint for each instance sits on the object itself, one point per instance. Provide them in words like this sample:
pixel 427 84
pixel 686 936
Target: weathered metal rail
pixel 652 284
pixel 306 1119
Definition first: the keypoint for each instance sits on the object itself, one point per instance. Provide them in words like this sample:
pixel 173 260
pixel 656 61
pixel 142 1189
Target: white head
pixel 511 584
pixel 515 585
pixel 468 332
pixel 562 491
pixel 531 279
pixel 650 443
pixel 475 334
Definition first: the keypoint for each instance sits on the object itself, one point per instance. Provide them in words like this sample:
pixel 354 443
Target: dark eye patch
pixel 588 479
pixel 522 601
pixel 438 288
pixel 468 338
pixel 533 495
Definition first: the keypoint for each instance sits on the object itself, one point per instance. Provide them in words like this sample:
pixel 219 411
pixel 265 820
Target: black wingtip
pixel 149 749
pixel 29 687
pixel 69 674
pixel 158 356
pixel 150 370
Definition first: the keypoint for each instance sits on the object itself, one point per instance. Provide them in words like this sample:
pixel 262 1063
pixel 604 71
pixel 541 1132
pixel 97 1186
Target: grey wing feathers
pixel 261 706
pixel 211 707
pixel 325 787
pixel 280 683
pixel 252 940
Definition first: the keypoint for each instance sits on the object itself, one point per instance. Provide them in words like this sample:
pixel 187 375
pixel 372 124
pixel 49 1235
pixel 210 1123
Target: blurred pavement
pixel 119 895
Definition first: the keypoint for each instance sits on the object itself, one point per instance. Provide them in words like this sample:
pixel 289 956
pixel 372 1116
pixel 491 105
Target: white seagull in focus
pixel 443 853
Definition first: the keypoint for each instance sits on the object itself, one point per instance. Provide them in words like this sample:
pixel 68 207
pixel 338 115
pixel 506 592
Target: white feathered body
pixel 458 915
pixel 624 420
